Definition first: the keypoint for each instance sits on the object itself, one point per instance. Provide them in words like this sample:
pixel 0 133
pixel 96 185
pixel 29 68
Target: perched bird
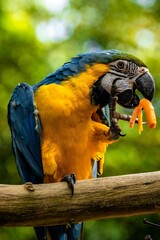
pixel 59 127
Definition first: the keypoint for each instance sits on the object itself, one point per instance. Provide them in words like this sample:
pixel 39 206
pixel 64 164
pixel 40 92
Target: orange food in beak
pixel 150 114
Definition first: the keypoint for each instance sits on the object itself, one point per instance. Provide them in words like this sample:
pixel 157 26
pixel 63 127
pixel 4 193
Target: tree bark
pixel 53 204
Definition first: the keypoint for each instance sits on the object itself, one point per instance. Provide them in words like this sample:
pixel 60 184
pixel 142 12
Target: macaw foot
pixel 115 130
pixel 70 180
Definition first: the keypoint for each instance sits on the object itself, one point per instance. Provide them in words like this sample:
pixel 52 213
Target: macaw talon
pixel 122 134
pixel 70 180
pixel 73 176
pixel 115 130
pixel 29 186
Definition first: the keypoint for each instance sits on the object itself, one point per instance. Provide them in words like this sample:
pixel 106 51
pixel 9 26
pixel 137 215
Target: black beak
pixel 145 84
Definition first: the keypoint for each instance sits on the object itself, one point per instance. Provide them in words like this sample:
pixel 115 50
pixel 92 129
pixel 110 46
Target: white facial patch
pixel 121 84
pixel 107 82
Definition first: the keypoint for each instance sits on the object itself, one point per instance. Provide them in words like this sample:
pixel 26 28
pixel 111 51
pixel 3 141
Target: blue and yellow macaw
pixel 59 126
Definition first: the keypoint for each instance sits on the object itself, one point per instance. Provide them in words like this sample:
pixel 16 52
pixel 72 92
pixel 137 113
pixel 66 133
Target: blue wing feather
pixel 26 147
pixel 74 232
pixel 25 140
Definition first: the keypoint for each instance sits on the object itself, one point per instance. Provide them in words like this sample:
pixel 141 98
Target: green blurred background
pixel 37 37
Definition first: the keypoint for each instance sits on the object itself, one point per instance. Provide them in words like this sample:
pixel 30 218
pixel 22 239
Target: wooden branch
pixel 52 204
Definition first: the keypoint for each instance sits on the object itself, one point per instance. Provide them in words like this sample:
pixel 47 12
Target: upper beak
pixel 145 84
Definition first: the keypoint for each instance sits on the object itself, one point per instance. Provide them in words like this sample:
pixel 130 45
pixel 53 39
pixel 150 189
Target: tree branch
pixel 52 204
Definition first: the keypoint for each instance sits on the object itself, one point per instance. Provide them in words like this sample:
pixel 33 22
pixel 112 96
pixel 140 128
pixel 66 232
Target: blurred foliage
pixel 37 37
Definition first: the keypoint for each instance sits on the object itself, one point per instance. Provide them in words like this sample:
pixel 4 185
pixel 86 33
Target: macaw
pixel 59 126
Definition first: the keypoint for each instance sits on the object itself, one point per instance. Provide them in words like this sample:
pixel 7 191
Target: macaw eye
pixel 120 65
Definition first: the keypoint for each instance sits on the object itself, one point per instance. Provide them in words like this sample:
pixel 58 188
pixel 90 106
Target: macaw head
pixel 126 74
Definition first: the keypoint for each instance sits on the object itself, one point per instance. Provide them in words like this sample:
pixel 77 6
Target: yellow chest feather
pixel 70 138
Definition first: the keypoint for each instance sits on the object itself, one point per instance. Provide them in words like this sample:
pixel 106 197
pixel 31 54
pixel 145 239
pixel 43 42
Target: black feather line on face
pixel 99 96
